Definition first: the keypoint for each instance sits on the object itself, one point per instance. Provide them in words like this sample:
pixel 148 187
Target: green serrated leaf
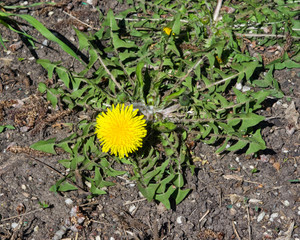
pixel 45 146
pixel 257 143
pixel 165 197
pixel 48 65
pixel 42 87
pixel 118 43
pixel 224 145
pixel 65 187
pixel 179 181
pixel 164 183
pixel 47 34
pixel 172 96
pixel 63 75
pixel 180 195
pixel 176 25
pixel 111 21
pixel 238 146
pixel 83 40
pixel 51 96
pixel 149 191
pixel 2 128
pixel 249 68
pixel 96 191
pixel 249 120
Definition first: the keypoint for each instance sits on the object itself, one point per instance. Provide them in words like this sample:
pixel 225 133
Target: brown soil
pixel 227 201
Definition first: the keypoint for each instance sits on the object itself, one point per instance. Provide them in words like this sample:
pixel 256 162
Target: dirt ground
pixel 228 200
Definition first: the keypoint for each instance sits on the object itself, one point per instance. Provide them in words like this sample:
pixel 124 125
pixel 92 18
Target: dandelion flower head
pixel 168 31
pixel 120 130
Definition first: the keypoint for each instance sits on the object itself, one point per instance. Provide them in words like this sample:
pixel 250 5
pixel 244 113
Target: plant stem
pixel 219 82
pixel 110 74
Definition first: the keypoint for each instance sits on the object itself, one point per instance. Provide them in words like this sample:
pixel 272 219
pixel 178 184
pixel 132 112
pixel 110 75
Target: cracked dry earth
pixel 227 200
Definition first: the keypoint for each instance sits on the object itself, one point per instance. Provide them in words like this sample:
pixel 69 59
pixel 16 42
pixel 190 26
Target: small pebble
pixel 267 235
pixel 180 219
pixel 273 215
pixel 23 11
pixel 285 105
pixel 131 185
pixel 131 209
pixel 246 89
pixel 25 194
pixel 88 184
pixel 69 6
pixel 23 187
pixel 36 228
pixel 261 216
pixel 45 42
pixel 290 130
pixel 286 203
pixel 24 129
pixel 141 195
pixel 238 86
pixel 68 201
pixel 232 211
pixel 111 238
pixel 285 150
pixel 29 178
pixel 50 13
pixel 14 225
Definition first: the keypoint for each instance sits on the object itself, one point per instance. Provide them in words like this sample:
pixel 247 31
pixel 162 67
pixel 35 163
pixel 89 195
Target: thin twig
pixel 90 203
pixel 262 35
pixel 48 166
pixel 193 68
pixel 248 217
pixel 205 214
pixel 235 231
pixel 58 172
pixel 219 82
pixel 139 200
pixel 17 229
pixel 81 21
pixel 92 220
pixel 124 70
pixel 217 10
pixel 149 19
pixel 21 215
pixel 185 76
pixel 109 73
pixel 232 106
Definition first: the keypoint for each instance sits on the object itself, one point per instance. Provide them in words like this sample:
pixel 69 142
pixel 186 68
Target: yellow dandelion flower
pixel 219 59
pixel 120 130
pixel 168 31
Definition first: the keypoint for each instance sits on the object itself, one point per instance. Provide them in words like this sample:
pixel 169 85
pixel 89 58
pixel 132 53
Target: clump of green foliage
pixel 184 83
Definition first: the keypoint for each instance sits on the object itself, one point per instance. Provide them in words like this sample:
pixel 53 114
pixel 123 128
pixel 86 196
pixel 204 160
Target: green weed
pixel 184 81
